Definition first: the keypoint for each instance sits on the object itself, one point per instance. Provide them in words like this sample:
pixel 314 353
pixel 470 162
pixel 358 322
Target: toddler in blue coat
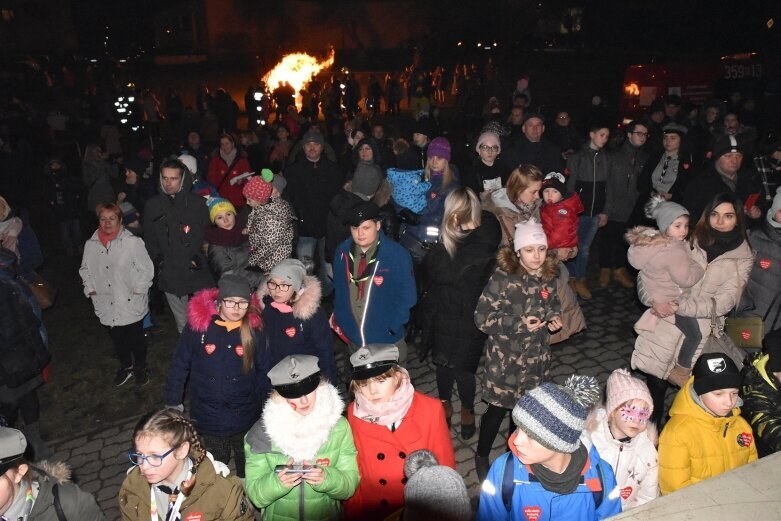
pixel 553 471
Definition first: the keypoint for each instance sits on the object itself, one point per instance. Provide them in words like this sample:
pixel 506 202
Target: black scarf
pixel 722 243
pixel 566 482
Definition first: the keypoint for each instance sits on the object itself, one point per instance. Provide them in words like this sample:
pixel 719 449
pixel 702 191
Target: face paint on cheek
pixel 632 413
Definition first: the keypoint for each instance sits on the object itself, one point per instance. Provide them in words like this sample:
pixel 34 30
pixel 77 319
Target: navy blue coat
pixel 302 331
pixel 224 400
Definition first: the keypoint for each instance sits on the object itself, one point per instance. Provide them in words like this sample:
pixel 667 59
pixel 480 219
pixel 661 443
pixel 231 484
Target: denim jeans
pixel 306 248
pixel 587 229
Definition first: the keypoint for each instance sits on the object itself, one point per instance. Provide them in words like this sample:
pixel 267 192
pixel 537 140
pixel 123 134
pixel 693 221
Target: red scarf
pixel 106 238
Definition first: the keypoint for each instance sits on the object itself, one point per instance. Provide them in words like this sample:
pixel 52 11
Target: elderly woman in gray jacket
pixel 117 273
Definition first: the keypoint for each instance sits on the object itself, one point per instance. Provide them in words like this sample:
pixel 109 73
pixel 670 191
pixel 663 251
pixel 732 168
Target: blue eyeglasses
pixel 154 460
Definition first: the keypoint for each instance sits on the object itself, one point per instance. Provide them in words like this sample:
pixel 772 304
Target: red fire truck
pixel 693 82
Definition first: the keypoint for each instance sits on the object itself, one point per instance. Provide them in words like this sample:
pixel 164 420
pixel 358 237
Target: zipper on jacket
pixel 301 516
pixel 726 425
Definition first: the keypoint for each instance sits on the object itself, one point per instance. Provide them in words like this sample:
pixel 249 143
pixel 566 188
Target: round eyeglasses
pixel 230 304
pixel 489 148
pixel 153 460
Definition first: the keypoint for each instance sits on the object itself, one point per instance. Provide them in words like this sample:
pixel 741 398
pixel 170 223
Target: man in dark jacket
pixel 531 149
pixel 589 171
pixel 725 175
pixel 174 224
pixel 312 182
pixel 626 165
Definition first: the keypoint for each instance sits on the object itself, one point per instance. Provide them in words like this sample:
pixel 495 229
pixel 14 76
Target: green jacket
pixel 215 497
pixel 336 454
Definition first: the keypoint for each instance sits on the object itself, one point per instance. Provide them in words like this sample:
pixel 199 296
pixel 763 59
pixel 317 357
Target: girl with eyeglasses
pixel 293 320
pixel 487 174
pixel 221 349
pixel 174 478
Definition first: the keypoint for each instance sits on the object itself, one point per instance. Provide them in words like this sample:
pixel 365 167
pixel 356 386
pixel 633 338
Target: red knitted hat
pixel 258 189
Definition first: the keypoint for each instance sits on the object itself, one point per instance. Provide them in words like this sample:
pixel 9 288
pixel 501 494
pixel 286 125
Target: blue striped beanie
pixel 554 415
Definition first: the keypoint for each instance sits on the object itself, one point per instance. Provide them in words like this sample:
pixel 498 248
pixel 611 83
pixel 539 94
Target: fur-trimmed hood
pixel 57 470
pixel 307 302
pixel 509 262
pixel 645 236
pixel 381 197
pixel 203 306
pixel 300 437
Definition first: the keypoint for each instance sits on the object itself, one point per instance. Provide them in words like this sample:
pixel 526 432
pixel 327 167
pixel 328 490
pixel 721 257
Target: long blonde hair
pixel 462 206
pixel 447 177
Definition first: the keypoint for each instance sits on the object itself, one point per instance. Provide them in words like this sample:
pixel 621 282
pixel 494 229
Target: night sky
pixel 665 26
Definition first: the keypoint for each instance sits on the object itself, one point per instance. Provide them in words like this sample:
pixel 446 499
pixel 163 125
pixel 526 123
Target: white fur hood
pixel 300 437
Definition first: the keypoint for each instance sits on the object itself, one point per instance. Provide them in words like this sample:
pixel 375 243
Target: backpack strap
pixel 599 495
pixel 57 505
pixel 508 485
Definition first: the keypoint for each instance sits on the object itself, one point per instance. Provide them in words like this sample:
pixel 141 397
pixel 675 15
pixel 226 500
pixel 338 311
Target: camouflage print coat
pixel 516 360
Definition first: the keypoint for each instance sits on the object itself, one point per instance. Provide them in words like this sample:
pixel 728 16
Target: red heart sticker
pixel 239 350
pixel 626 492
pixel 378 280
pixel 323 462
pixel 290 331
pixel 745 439
pixel 686 166
pixel 433 195
pixel 186 228
pixel 745 335
pixel 532 513
pixel 195 516
pixel 544 293
pixel 209 348
pixel 765 263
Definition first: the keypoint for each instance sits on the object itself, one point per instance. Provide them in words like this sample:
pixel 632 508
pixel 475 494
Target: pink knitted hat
pixel 622 387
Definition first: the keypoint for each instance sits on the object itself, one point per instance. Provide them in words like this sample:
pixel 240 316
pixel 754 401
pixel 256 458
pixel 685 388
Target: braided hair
pixel 175 429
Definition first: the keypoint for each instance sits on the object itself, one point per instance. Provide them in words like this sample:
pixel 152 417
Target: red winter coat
pixel 382 453
pixel 220 174
pixel 560 222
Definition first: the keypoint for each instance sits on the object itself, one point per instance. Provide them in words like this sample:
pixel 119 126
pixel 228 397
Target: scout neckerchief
pixel 26 508
pixel 362 272
pixel 175 498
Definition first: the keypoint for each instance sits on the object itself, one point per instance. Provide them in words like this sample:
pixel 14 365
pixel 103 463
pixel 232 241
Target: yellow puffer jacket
pixel 695 445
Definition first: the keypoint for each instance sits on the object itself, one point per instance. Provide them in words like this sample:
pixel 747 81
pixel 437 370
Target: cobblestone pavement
pixel 99 462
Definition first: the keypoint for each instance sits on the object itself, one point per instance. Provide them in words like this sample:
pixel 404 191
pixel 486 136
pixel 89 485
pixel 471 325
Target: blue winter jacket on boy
pixel 224 400
pixel 531 501
pixel 300 329
pixel 390 296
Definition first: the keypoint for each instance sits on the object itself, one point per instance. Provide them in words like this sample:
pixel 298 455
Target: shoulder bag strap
pixel 715 327
pixel 57 505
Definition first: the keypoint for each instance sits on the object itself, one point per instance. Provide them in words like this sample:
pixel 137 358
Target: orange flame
pixel 297 69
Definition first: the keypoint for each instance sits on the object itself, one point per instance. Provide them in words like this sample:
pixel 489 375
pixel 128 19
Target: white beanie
pixel 528 233
pixel 190 162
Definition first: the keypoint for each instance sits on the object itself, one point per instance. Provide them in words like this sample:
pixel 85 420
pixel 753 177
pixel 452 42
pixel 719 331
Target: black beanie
pixel 772 343
pixel 714 371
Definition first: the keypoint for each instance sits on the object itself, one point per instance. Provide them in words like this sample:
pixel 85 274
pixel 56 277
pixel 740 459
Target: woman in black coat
pixel 456 271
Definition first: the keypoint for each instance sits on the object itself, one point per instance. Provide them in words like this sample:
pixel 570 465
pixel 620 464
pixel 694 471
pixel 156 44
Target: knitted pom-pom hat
pixel 554 415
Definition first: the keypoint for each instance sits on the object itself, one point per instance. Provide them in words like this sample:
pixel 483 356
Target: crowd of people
pixel 268 251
